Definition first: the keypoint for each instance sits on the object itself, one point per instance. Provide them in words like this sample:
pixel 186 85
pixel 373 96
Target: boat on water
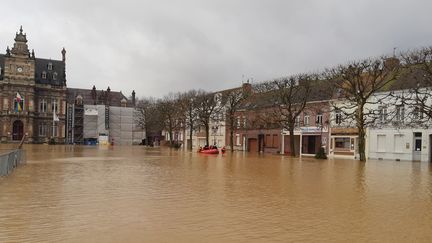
pixel 211 150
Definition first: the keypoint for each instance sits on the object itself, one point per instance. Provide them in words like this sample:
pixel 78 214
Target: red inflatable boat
pixel 211 150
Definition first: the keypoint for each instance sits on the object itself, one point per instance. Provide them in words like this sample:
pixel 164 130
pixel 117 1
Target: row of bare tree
pixel 350 89
pixel 190 110
pixel 353 85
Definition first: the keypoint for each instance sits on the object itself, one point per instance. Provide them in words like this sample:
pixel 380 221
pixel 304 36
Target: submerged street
pixel 137 194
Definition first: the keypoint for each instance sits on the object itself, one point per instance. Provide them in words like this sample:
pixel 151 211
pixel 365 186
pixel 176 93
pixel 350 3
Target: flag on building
pixel 19 102
pixel 55 117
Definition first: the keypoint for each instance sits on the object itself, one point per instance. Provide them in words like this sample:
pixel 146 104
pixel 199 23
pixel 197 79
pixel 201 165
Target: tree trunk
pixel 292 141
pixel 232 140
pixel 190 135
pixel 171 136
pixel 207 130
pixel 362 133
pixel 362 143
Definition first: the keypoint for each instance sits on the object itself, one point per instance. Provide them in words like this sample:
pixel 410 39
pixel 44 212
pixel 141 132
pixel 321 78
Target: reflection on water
pixel 134 194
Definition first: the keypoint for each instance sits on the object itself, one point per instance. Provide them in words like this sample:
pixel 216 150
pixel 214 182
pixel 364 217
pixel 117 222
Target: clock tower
pixel 19 62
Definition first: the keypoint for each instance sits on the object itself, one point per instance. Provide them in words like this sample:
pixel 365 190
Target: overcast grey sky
pixel 160 46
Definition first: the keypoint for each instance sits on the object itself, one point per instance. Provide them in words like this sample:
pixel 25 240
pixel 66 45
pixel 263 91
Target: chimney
pixel 391 63
pixel 94 94
pixel 247 87
pixel 133 98
pixel 63 52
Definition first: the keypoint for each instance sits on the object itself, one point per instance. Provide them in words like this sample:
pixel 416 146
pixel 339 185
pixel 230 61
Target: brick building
pixel 33 94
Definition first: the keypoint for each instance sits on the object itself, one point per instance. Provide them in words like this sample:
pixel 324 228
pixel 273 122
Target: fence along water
pixel 10 160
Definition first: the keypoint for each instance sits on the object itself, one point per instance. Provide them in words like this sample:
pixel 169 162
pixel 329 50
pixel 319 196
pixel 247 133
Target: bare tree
pixel 289 96
pixel 148 117
pixel 170 114
pixel 355 84
pixel 232 100
pixel 188 104
pixel 418 65
pixel 207 110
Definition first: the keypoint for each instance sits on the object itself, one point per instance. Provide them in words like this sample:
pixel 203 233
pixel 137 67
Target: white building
pixel 401 131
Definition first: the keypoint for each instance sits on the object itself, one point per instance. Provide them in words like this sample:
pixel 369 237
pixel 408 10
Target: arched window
pixel 54 76
pixel 44 75
pixel 50 66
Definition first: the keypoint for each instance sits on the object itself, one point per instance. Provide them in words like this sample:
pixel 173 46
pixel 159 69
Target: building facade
pixel 33 95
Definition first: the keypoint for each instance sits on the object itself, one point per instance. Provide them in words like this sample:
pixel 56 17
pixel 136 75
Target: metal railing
pixel 10 160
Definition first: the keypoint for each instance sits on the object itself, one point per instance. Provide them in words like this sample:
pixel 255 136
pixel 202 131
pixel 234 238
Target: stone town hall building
pixel 32 94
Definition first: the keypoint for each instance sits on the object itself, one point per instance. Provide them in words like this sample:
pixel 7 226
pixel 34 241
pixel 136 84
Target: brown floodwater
pixel 137 194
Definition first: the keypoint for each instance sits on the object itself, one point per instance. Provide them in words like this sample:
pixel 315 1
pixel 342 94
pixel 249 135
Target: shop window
pixel 342 143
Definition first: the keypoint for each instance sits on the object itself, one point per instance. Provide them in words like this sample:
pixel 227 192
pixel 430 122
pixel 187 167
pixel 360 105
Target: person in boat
pixel 206 147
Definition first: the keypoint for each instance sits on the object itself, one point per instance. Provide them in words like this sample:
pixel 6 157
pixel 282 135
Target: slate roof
pixel 41 65
pixel 115 97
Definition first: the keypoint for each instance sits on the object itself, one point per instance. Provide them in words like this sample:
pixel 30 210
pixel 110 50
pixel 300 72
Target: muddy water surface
pixel 134 194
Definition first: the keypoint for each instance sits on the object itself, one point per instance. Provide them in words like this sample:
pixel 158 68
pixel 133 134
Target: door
pixel 430 148
pixel 311 144
pixel 17 130
pixel 253 145
pixel 417 148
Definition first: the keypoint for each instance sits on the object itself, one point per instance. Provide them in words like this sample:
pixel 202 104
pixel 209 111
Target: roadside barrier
pixel 10 160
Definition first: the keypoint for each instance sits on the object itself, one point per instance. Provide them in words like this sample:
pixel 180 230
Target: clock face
pixel 19 69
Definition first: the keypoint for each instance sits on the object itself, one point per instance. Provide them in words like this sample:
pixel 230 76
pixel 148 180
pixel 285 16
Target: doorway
pixel 417 148
pixel 17 130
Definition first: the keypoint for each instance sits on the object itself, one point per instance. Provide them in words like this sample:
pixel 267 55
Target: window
pixel 381 142
pixel 238 139
pixel 55 130
pixel 238 122
pixel 275 140
pixel 54 76
pixel 43 128
pixel 50 66
pixel 44 75
pixel 5 103
pixel 382 113
pixel 319 119
pixel 244 121
pixel 338 117
pixel 54 106
pixel 398 143
pixel 400 113
pixel 306 120
pixel 297 121
pixel 342 143
pixel 43 106
pixel 417 114
pixel 268 141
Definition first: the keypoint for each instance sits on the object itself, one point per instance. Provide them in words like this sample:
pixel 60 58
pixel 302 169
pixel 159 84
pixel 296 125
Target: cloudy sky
pixel 156 47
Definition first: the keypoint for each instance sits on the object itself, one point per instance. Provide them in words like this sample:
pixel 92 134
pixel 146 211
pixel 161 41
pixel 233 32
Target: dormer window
pixel 44 75
pixel 50 66
pixel 54 76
